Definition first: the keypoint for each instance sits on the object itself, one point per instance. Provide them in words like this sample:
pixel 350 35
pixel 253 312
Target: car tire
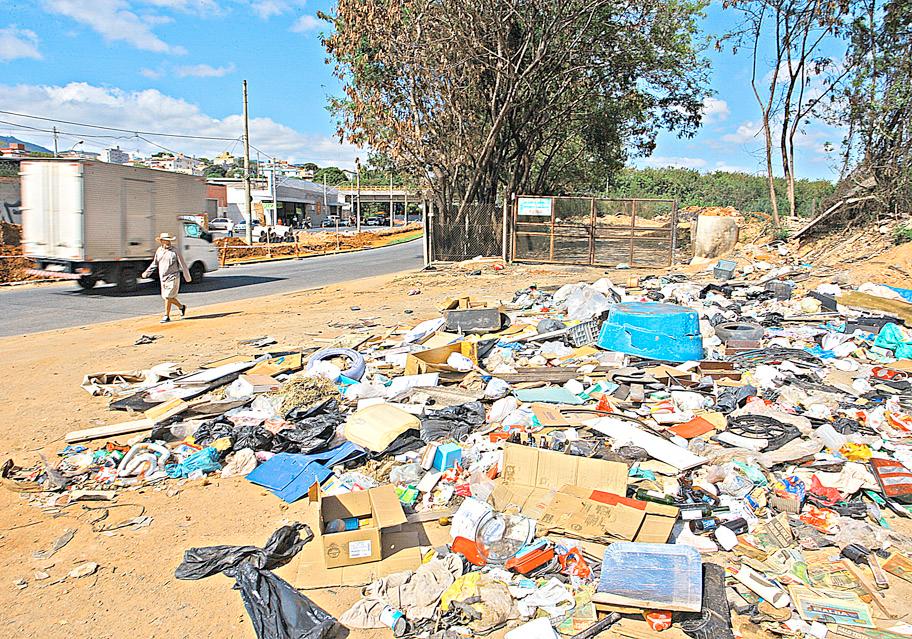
pixel 126 279
pixel 263 236
pixel 745 331
pixel 197 272
pixel 87 282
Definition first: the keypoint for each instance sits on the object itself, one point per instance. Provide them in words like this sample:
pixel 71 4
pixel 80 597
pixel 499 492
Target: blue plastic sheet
pixel 289 476
pixel 905 293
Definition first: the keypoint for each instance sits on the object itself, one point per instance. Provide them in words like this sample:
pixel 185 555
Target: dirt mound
pixel 13 266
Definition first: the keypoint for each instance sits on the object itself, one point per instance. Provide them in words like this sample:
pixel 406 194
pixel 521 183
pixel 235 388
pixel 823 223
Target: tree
pixel 310 166
pixel 480 98
pixel 796 78
pixel 876 106
pixel 214 170
pixel 334 176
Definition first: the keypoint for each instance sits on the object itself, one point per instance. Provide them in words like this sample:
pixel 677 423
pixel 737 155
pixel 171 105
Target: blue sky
pixel 176 66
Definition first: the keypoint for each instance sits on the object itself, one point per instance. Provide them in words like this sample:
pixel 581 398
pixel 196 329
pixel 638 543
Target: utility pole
pixel 392 217
pixel 275 200
pixel 358 212
pixel 55 141
pixel 247 207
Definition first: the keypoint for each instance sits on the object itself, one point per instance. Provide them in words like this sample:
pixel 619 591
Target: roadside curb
pixel 283 258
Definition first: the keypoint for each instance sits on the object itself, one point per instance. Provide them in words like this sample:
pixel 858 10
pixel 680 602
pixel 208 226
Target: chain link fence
pixel 476 230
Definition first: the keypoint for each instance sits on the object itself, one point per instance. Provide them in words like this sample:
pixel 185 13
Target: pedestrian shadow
pixel 209 316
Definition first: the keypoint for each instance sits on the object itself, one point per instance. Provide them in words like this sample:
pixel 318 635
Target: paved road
pixel 51 306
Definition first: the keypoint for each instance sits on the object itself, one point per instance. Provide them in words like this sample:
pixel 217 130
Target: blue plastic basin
pixel 654 331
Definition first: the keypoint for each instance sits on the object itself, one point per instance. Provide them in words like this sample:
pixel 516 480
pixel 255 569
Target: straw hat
pixel 166 237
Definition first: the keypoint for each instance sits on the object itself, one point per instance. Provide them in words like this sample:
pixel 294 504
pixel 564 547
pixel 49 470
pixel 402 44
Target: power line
pixel 111 128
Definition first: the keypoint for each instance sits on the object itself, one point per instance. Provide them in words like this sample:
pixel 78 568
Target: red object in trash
pixel 529 561
pixel 468 549
pixel 604 405
pixel 658 620
pixel 882 372
pixel 573 564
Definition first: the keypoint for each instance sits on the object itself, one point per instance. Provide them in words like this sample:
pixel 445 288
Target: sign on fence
pixel 534 207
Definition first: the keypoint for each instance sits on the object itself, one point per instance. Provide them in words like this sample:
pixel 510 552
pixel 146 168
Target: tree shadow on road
pixel 145 289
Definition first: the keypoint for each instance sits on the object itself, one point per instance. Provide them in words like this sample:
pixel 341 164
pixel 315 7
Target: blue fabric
pixel 205 460
pixel 891 337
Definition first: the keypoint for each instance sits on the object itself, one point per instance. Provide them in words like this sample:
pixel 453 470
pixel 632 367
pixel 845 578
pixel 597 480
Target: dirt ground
pixel 134 593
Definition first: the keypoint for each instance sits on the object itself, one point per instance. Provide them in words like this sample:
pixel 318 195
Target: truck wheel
pixel 126 279
pixel 87 282
pixel 263 236
pixel 197 271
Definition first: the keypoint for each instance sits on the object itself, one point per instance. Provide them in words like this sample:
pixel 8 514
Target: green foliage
pixel 8 169
pixel 782 233
pixel 334 176
pixel 691 188
pixel 902 233
pixel 214 171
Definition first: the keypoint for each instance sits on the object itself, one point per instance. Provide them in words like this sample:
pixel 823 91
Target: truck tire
pixel 197 271
pixel 126 279
pixel 739 331
pixel 263 237
pixel 87 282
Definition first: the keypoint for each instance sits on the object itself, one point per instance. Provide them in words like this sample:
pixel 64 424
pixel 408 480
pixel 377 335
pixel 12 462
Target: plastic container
pixel 724 269
pixel 669 576
pixel 654 331
pixel 782 290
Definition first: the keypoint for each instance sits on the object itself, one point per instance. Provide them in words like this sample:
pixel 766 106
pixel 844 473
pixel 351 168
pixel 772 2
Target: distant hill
pixel 31 148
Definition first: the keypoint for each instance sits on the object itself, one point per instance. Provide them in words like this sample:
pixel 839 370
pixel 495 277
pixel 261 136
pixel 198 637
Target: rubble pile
pixel 717 455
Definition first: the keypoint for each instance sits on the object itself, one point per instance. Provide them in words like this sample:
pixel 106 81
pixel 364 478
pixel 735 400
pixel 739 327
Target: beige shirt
pixel 169 264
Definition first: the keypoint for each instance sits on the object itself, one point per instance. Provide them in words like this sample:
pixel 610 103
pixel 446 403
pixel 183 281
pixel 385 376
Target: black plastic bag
pixel 453 422
pixel 253 437
pixel 278 611
pixel 284 544
pixel 308 435
pixel 208 432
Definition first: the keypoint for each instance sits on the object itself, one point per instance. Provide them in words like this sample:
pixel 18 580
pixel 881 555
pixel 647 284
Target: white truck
pixel 92 221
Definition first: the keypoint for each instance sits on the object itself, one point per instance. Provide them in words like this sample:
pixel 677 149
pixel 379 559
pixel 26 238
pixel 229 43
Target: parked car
pixel 240 229
pixel 222 224
pixel 328 223
pixel 373 221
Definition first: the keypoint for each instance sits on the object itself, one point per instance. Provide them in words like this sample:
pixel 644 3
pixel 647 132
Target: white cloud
pixel 18 43
pixel 204 71
pixel 269 8
pixel 188 6
pixel 745 132
pixel 715 110
pixel 151 110
pixel 733 168
pixel 152 74
pixel 659 161
pixel 306 23
pixel 113 20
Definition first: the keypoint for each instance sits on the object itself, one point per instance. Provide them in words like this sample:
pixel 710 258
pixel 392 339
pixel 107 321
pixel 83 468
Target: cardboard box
pixel 400 551
pixel 250 384
pixel 354 547
pixel 434 360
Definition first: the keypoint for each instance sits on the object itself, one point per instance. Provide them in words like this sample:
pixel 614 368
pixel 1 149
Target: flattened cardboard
pixel 549 416
pixel 278 365
pixel 575 517
pixel 657 520
pixel 526 469
pixel 168 409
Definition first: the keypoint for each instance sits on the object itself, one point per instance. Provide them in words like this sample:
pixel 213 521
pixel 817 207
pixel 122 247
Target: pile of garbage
pixel 718 455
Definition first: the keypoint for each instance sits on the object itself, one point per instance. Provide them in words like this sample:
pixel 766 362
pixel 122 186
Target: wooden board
pixel 902 310
pixel 102 432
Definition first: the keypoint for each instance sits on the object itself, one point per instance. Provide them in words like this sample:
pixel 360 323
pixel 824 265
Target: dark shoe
pixel 183 310
pixel 164 320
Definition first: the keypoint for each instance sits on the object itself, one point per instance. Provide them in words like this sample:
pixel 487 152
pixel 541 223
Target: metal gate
pixel 593 231
pixel 476 230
